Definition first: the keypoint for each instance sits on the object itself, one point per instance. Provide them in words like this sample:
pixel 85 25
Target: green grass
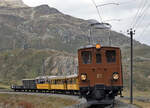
pixel 32 101
pixel 139 104
pixel 141 68
pixel 137 93
pixel 3 86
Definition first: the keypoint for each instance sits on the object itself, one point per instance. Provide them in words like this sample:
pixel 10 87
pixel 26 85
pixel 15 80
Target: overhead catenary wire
pixel 136 15
pixel 108 4
pixel 144 30
pixel 140 14
pixel 132 22
pixel 141 17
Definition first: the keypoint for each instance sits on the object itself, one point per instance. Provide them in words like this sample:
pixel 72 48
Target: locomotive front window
pixel 86 57
pixel 111 56
pixel 98 58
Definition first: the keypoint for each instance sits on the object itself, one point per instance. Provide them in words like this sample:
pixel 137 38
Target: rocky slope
pixel 12 3
pixel 46 28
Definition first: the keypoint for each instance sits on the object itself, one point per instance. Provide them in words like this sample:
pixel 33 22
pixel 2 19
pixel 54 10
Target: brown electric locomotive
pixel 100 73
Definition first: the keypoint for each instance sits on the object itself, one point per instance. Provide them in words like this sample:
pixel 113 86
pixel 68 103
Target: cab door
pixel 99 68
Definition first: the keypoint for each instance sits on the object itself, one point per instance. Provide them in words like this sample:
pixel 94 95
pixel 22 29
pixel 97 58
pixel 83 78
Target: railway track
pixel 82 102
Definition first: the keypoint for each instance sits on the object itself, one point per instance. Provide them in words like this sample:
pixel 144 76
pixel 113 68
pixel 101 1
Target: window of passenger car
pixel 98 58
pixel 55 82
pixel 40 81
pixel 74 81
pixel 86 57
pixel 111 56
pixel 70 81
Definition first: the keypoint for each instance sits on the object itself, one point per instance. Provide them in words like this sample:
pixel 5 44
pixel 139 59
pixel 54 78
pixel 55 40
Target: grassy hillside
pixel 19 64
pixel 141 61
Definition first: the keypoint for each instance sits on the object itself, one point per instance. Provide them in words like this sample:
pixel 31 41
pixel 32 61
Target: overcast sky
pixel 121 16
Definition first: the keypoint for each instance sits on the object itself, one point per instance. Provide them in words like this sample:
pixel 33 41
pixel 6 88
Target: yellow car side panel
pixel 43 86
pixel 72 87
pixel 58 87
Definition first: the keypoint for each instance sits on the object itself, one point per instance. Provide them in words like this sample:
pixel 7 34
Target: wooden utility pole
pixel 131 32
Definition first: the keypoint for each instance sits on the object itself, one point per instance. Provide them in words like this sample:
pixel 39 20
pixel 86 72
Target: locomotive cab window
pixel 98 59
pixel 86 57
pixel 111 56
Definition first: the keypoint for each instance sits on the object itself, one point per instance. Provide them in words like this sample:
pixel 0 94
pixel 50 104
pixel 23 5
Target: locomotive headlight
pixel 98 46
pixel 115 76
pixel 83 77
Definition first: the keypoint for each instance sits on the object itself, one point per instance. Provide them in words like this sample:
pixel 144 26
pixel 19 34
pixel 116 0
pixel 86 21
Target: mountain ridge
pixel 44 22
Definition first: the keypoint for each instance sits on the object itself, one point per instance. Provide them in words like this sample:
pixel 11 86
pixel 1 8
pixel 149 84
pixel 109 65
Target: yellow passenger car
pixel 58 83
pixel 72 82
pixel 43 82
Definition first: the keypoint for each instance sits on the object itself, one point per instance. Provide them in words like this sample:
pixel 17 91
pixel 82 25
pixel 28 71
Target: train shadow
pixel 100 106
pixel 96 106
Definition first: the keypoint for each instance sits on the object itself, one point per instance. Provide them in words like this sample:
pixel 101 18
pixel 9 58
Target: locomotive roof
pixel 93 46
